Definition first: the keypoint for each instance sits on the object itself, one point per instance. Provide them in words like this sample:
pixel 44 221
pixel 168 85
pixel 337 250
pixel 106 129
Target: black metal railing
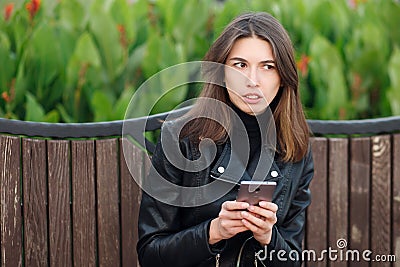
pixel 154 122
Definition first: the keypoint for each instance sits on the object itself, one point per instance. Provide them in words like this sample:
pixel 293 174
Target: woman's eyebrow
pixel 238 59
pixel 268 61
pixel 244 60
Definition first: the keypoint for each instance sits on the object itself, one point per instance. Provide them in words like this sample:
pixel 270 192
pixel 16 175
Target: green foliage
pixel 327 70
pixel 81 60
pixel 393 93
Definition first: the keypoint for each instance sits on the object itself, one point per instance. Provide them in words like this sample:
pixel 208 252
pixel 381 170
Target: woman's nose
pixel 252 79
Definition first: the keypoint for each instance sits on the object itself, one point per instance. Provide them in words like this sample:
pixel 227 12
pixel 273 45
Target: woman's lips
pixel 252 98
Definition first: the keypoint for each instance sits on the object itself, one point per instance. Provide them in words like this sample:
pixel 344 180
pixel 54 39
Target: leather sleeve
pixel 288 236
pixel 162 239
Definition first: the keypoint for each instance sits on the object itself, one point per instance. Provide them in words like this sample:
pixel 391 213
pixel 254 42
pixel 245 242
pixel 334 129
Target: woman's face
pixel 251 76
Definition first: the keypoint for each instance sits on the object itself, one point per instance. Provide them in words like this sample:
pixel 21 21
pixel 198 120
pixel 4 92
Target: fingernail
pixel 251 208
pixel 245 205
pixel 244 214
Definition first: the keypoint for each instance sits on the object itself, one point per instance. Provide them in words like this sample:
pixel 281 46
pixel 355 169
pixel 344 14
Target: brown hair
pixel 291 126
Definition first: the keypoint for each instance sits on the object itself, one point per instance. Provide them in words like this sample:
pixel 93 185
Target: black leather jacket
pixel 178 236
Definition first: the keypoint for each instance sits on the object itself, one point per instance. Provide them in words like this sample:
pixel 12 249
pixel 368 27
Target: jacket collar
pixel 230 168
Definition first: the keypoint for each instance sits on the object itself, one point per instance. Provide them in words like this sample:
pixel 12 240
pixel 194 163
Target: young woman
pixel 223 231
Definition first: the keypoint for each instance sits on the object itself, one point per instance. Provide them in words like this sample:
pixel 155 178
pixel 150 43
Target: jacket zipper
pixel 257 258
pixel 218 256
pixel 217 260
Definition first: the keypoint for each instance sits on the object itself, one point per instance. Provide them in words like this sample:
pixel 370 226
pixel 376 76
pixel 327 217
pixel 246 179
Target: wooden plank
pixel 132 166
pixel 360 174
pixel 83 203
pixel 107 202
pixel 338 194
pixel 317 216
pixel 10 197
pixel 381 194
pixel 396 198
pixel 35 201
pixel 60 238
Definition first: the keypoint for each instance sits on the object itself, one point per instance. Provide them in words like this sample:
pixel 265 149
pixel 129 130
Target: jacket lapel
pixel 230 168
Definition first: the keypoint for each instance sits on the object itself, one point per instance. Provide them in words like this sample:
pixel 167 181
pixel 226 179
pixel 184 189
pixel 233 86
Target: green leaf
pixel 131 15
pixel 7 62
pixel 43 63
pixel 135 59
pixel 144 98
pixel 389 13
pixel 330 19
pixel 122 103
pixel 34 111
pixel 170 99
pixel 73 15
pixel 393 93
pixel 86 51
pixel 327 72
pixel 53 116
pixel 20 31
pixel 106 34
pixel 171 53
pixel 180 21
pixel 21 84
pixel 84 58
pixel 366 53
pixel 64 114
pixel 67 41
pixel 231 9
pixel 151 58
pixel 101 106
pixel 394 67
pixel 173 88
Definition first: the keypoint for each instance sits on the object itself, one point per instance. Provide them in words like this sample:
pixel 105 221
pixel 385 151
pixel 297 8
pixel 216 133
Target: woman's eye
pixel 268 67
pixel 240 65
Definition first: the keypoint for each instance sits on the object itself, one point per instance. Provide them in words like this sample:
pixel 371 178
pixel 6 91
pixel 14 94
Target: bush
pixel 80 60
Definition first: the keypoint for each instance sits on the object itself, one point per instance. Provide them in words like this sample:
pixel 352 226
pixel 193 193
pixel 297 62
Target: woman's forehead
pixel 251 49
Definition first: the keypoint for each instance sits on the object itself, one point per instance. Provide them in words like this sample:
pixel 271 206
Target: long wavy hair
pixel 291 126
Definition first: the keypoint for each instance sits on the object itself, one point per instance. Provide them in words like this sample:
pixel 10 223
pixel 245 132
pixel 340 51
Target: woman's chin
pixel 254 110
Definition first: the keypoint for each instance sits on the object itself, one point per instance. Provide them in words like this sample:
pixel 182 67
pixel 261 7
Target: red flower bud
pixel 6 97
pixel 122 35
pixel 302 64
pixel 33 7
pixel 8 9
pixel 121 28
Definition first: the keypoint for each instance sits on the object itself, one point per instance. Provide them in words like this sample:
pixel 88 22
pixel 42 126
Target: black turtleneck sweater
pixel 251 124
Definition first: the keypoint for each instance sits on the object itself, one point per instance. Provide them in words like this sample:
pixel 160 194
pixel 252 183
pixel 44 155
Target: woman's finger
pixel 263 213
pixel 226 224
pixel 268 205
pixel 234 205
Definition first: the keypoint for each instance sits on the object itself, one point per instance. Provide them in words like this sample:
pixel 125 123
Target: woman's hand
pixel 229 221
pixel 260 220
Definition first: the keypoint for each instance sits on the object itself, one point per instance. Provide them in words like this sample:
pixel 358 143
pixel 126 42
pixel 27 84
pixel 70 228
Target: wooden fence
pixel 67 202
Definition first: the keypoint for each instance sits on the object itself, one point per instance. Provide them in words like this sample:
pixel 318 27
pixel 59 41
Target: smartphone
pixel 253 192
